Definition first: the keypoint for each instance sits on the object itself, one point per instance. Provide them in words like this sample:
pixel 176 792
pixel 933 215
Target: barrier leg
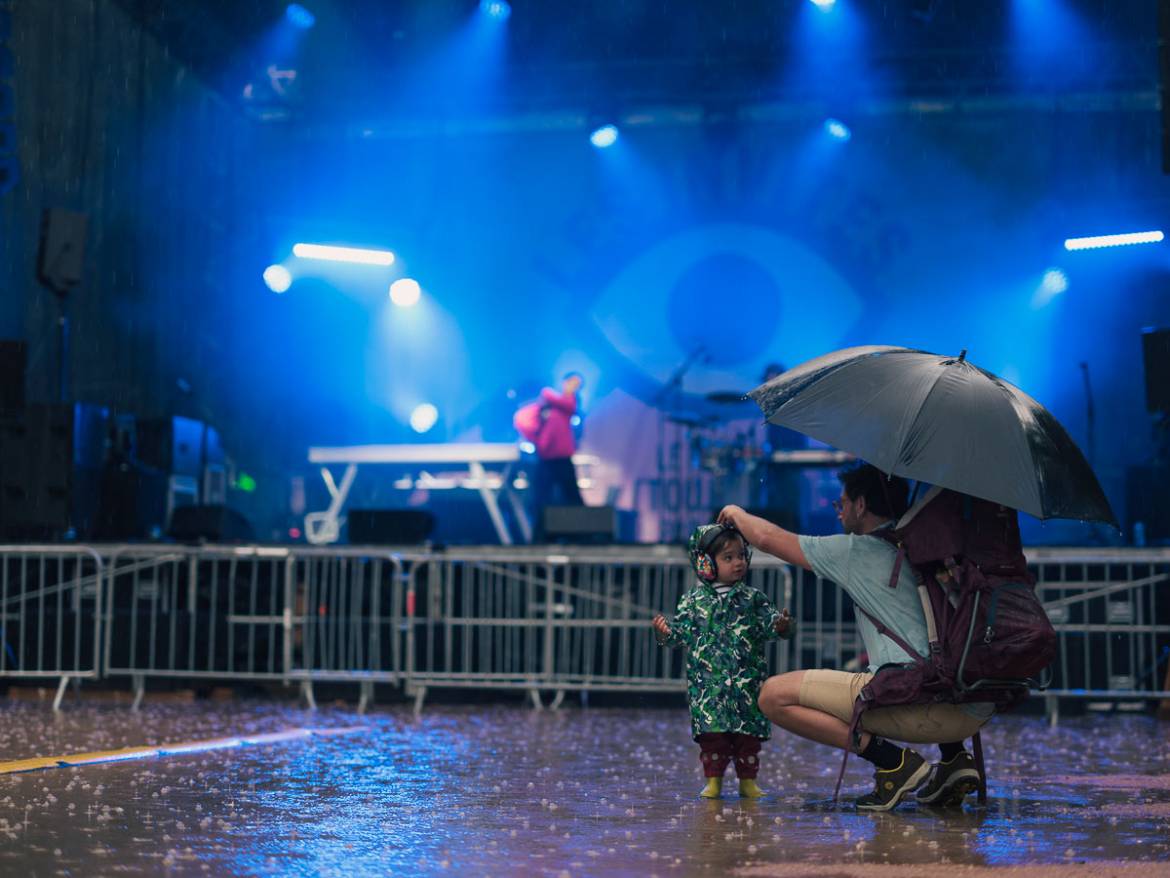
pixel 139 684
pixel 420 694
pixel 534 696
pixel 367 696
pixel 1052 709
pixel 60 694
pixel 557 699
pixel 584 697
pixel 307 694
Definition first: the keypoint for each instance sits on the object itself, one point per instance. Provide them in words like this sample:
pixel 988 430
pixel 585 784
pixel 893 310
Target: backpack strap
pixel 977 746
pixel 882 629
pixel 854 740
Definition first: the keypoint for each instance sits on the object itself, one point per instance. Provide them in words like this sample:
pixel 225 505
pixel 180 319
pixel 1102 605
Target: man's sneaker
pixel 892 786
pixel 950 781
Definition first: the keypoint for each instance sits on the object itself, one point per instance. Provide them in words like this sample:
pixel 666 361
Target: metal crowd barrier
pixel 49 600
pixel 1111 610
pixel 506 618
pixel 254 613
pixel 553 621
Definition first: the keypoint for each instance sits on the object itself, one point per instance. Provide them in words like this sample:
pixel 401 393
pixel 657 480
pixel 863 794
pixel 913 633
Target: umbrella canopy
pixel 940 420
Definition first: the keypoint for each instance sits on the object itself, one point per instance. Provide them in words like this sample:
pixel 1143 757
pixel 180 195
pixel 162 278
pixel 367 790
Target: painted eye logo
pixel 743 296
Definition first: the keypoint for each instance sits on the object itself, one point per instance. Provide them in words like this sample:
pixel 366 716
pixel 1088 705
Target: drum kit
pixel 714 448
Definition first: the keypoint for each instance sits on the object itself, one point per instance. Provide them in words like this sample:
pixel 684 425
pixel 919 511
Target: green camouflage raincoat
pixel 726 665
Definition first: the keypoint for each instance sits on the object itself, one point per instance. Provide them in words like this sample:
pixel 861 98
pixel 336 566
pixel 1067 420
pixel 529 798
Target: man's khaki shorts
pixel 834 692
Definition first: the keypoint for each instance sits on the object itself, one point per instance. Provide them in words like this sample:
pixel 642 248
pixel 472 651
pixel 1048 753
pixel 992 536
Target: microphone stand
pixel 671 392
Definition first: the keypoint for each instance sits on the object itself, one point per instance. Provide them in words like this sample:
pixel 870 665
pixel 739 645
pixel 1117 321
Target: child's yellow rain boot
pixel 749 789
pixel 713 788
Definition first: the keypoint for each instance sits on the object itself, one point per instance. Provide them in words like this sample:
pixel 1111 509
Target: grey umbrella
pixel 940 420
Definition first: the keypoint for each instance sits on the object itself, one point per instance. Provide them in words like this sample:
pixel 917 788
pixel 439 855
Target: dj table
pixel 325 526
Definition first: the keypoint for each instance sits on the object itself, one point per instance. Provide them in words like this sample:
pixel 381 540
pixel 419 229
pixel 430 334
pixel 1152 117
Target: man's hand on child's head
pixel 729 515
pixel 660 625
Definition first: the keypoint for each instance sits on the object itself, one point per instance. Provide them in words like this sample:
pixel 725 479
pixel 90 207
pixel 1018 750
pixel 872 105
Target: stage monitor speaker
pixel 61 259
pixel 389 527
pixel 176 445
pixel 13 367
pixel 589 524
pixel 1156 359
pixel 215 524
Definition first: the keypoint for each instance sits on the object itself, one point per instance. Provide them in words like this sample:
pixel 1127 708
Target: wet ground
pixel 502 790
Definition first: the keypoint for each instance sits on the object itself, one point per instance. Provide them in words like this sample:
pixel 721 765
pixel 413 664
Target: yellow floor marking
pixel 42 762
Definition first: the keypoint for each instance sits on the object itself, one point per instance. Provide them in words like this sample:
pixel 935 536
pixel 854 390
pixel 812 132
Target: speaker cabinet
pixel 36 466
pixel 13 368
pixel 1156 359
pixel 213 524
pixel 589 524
pixel 393 527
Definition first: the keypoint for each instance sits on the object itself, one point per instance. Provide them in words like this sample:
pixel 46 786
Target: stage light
pixel 299 16
pixel 497 9
pixel 1113 240
pixel 423 417
pixel 1051 285
pixel 405 292
pixel 824 5
pixel 604 136
pixel 343 254
pixel 1055 281
pixel 838 129
pixel 278 278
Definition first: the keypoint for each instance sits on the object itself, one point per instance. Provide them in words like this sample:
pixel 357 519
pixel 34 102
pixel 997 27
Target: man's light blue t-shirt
pixel 861 565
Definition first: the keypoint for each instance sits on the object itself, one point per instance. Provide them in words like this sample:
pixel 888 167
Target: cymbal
pixel 727 397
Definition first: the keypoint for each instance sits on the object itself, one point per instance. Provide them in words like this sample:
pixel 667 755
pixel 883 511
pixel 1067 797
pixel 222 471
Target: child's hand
pixel 660 625
pixel 783 623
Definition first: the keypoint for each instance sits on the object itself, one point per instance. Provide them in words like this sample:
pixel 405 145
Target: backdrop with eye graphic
pixel 724 248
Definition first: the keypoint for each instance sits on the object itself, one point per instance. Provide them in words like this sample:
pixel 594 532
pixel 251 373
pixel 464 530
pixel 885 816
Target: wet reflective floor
pixel 503 790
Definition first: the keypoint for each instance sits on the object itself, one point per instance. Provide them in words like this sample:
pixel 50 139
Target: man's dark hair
pixel 885 496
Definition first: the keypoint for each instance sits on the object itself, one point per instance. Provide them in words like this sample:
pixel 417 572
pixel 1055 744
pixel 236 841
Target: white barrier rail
pixel 49 613
pixel 253 613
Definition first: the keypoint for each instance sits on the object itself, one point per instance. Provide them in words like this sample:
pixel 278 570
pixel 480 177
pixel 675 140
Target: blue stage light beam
pixel 278 278
pixel 355 255
pixel 1097 241
pixel 405 292
pixel 824 5
pixel 604 137
pixel 299 16
pixel 1051 285
pixel 1055 281
pixel 497 9
pixel 423 417
pixel 838 129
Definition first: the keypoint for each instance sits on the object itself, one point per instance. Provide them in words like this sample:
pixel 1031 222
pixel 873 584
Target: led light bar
pixel 1113 240
pixel 343 254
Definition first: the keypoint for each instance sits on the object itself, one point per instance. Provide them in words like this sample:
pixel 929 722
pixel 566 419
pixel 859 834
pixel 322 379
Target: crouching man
pixel 818 704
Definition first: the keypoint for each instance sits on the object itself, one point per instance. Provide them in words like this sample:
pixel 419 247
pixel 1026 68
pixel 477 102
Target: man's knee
pixel 780 692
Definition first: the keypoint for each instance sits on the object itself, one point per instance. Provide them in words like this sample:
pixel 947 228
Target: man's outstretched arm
pixel 765 536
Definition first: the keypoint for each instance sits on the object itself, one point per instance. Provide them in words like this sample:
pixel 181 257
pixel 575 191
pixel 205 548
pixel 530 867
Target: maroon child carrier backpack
pixel 989 637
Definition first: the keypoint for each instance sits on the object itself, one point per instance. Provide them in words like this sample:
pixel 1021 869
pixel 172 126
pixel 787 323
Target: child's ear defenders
pixel 705 563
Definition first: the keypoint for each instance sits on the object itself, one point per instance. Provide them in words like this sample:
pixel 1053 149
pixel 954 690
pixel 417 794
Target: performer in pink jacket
pixel 555 479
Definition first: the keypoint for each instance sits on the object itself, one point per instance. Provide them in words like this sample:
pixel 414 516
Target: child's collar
pixel 711 583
